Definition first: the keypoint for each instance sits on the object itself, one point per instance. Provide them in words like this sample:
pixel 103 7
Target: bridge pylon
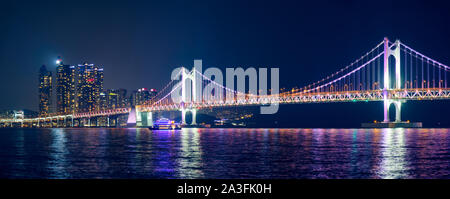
pixel 395 52
pixel 391 85
pixel 191 93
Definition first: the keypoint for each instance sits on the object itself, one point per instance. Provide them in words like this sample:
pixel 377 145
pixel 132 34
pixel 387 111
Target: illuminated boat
pixel 165 124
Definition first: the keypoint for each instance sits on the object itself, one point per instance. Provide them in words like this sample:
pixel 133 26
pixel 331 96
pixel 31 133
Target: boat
pixel 165 124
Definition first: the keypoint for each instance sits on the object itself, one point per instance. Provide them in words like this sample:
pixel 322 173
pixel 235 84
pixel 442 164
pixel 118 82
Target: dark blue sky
pixel 139 43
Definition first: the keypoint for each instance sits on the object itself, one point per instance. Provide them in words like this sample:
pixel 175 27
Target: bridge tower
pixel 395 52
pixel 189 95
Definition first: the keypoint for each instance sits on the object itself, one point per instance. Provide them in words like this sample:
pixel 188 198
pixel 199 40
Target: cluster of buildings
pixel 80 89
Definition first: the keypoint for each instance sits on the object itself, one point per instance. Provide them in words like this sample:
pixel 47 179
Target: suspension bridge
pixel 391 72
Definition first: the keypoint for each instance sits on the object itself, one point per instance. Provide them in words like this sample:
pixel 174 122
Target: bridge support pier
pixel 194 116
pixel 138 118
pixel 398 110
pixel 150 119
pixel 183 117
pixel 142 119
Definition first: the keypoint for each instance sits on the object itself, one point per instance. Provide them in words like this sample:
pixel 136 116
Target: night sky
pixel 139 43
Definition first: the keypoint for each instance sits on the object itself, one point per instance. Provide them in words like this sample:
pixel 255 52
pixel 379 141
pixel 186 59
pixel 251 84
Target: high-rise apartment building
pixel 65 88
pixel 45 91
pixel 142 96
pixel 89 86
pixel 113 98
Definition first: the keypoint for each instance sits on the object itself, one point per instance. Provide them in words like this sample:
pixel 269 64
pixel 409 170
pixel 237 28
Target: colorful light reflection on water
pixel 225 153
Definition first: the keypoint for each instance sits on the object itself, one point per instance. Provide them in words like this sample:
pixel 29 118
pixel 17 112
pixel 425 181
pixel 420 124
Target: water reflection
pixel 57 161
pixel 165 154
pixel 190 155
pixel 393 163
pixel 225 153
pixel 18 164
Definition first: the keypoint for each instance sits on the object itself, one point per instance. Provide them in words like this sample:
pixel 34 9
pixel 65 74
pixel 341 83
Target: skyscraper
pixel 123 100
pixel 45 91
pixel 153 93
pixel 65 88
pixel 113 98
pixel 89 86
pixel 103 101
pixel 142 96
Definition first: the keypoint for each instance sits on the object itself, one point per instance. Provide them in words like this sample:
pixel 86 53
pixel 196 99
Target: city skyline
pixel 79 88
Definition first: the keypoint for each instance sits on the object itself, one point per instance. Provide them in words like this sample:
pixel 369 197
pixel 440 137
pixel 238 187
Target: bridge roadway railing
pixel 102 113
pixel 319 97
pixel 293 98
pixel 74 116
